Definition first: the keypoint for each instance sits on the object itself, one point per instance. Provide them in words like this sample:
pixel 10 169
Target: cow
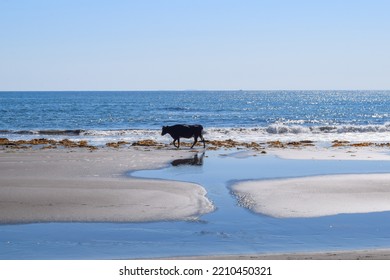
pixel 185 131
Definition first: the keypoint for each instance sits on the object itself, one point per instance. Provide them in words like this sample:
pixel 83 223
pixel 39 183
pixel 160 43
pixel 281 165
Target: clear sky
pixel 194 44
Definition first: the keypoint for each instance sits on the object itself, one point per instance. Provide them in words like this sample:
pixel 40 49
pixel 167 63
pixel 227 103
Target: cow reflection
pixel 196 160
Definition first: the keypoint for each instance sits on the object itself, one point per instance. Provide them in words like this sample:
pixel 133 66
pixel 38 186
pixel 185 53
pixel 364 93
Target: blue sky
pixel 194 44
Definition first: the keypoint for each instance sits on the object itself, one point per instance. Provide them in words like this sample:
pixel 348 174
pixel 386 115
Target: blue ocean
pixel 242 115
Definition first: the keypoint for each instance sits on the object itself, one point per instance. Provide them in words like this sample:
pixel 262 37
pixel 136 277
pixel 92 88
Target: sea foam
pixel 282 132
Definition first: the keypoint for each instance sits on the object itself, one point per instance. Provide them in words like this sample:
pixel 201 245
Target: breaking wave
pixel 283 129
pixel 300 132
pixel 300 129
pixel 267 133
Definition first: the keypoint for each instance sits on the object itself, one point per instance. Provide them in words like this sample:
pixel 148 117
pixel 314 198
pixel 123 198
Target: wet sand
pixel 83 186
pixel 316 196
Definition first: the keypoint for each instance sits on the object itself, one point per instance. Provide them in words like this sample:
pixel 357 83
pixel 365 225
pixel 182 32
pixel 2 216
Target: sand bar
pixel 316 196
pixel 80 185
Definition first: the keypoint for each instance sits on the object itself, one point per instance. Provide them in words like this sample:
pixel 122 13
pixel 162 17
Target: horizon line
pixel 188 90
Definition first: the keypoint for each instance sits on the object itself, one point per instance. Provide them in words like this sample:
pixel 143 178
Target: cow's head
pixel 164 130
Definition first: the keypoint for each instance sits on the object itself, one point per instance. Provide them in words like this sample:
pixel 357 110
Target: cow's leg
pixel 178 143
pixel 202 140
pixel 195 141
pixel 174 144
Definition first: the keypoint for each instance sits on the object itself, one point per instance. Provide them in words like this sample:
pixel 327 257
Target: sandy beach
pixel 316 196
pixel 90 185
pixel 83 186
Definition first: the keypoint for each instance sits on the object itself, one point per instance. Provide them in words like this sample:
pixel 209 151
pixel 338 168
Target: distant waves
pixel 43 132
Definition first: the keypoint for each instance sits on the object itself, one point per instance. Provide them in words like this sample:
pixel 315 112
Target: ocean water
pixel 100 117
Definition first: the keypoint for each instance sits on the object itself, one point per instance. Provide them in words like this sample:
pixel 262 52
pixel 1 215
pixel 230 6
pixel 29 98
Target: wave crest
pixel 267 133
pixel 338 129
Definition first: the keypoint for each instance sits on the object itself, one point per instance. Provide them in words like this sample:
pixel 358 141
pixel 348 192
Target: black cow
pixel 186 131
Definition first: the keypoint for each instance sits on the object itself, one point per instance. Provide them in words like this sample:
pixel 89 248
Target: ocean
pixel 100 117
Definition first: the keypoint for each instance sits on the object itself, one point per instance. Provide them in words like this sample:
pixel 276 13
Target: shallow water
pixel 231 229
